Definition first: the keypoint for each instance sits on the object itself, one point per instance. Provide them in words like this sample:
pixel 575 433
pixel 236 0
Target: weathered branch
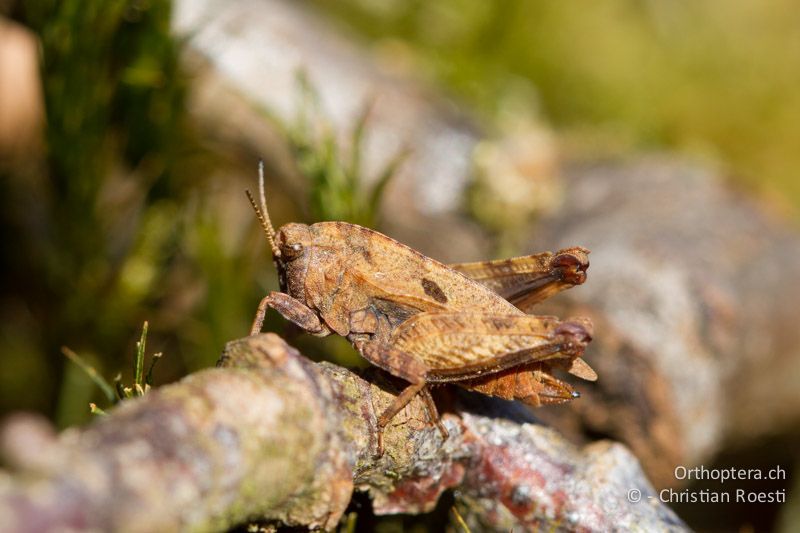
pixel 272 436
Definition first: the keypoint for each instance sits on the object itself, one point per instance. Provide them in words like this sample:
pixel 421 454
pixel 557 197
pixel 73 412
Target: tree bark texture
pixel 271 436
pixel 692 287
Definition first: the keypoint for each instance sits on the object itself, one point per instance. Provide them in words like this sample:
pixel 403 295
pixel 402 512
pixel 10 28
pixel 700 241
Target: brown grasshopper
pixel 426 322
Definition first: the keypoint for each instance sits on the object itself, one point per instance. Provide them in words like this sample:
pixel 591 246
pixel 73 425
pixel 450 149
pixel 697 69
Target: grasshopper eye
pixel 292 250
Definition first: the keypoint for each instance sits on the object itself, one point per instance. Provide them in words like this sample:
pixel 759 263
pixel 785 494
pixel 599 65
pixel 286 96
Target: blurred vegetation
pixel 716 78
pixel 119 223
pixel 337 190
pixel 142 382
pixel 113 226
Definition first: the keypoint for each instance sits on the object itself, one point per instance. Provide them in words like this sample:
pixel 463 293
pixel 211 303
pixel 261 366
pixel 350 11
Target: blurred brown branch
pixel 21 107
pixel 272 436
pixel 694 302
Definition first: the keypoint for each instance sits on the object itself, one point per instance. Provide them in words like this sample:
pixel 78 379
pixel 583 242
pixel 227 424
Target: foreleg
pixel 292 310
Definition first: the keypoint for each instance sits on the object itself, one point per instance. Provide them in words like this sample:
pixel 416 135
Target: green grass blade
pixel 139 366
pixel 148 379
pixel 91 372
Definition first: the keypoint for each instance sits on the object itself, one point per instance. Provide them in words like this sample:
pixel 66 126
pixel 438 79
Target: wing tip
pixel 581 369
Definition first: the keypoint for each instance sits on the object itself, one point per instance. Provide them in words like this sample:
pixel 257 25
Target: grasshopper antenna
pixel 262 213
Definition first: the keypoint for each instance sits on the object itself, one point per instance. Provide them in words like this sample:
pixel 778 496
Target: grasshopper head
pixel 288 244
pixel 291 255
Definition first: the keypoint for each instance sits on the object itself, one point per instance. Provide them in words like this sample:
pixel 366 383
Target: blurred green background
pixel 108 223
pixel 714 78
pixel 108 218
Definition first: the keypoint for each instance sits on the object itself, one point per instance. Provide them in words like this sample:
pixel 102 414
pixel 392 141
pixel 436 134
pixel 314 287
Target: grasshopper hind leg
pixel 433 413
pixel 400 402
pixel 405 366
pixel 395 407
